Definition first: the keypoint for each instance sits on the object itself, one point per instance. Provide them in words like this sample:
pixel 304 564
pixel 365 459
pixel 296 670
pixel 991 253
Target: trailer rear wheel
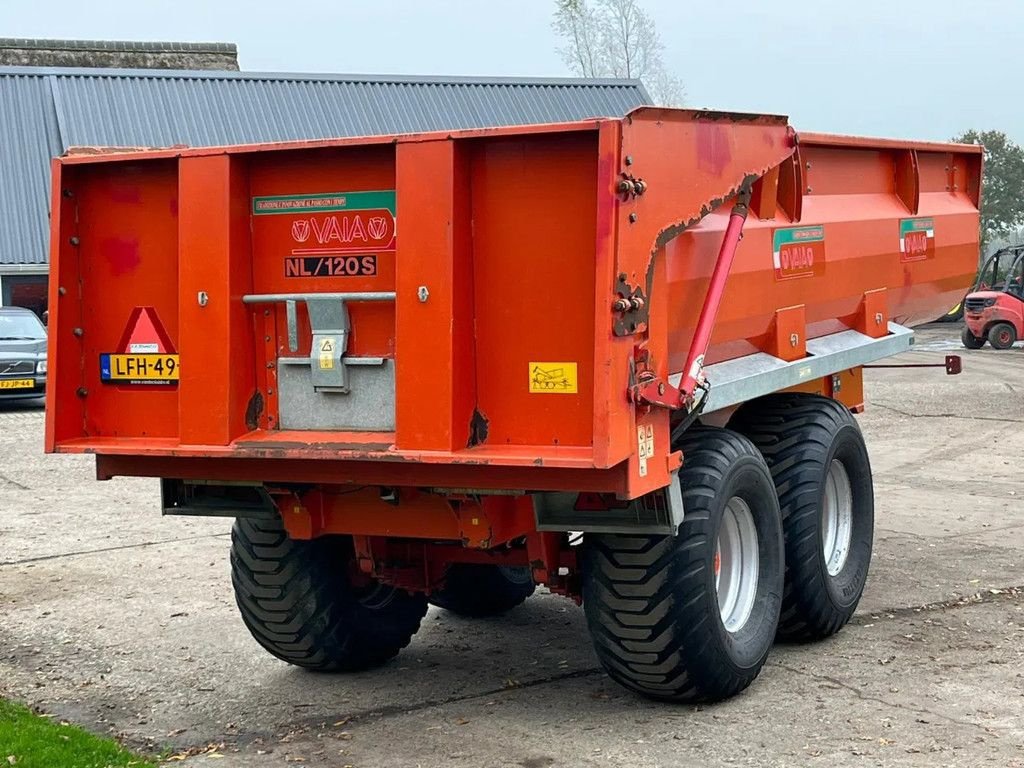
pixel 1002 336
pixel 821 469
pixel 479 590
pixel 970 340
pixel 306 603
pixel 692 617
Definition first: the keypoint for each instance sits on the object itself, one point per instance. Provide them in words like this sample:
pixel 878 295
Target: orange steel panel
pixel 214 237
pixel 534 205
pixel 788 338
pixel 849 392
pixel 64 406
pixel 489 522
pixel 128 251
pixel 614 436
pixel 435 347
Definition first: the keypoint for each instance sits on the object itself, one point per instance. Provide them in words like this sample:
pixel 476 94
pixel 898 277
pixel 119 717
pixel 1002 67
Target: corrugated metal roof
pixel 29 138
pixel 44 111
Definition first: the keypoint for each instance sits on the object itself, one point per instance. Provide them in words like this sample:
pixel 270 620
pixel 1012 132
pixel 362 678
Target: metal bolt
pixel 794 339
pixel 629 159
pixel 270 365
pixel 632 218
pixel 81 391
pixel 67 193
pixel 808 165
pixel 809 190
pixel 639 187
pixel 203 298
pixel 266 313
pixel 636 303
pixel 74 240
pixel 77 332
pixel 266 339
pixel 621 305
pixel 62 290
pixel 423 294
pixel 625 187
pixel 270 391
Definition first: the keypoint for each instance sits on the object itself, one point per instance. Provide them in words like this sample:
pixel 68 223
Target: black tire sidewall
pixel 749 646
pixel 970 340
pixel 845 588
pixel 996 330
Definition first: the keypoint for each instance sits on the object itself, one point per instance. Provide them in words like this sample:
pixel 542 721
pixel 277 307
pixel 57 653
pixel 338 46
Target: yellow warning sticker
pixel 553 378
pixel 327 354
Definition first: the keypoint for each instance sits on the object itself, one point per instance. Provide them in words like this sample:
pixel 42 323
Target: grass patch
pixel 38 742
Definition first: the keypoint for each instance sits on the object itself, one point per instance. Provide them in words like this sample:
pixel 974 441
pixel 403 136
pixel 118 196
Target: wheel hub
pixel 736 564
pixel 837 518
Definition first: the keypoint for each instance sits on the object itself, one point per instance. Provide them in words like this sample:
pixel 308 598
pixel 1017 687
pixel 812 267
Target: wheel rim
pixel 736 564
pixel 837 528
pixel 1004 337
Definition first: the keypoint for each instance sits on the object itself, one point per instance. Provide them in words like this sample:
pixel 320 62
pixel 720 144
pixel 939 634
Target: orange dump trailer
pixel 421 366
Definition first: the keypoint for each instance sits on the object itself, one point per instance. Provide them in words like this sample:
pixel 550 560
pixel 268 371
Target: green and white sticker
pixel 917 239
pixel 798 252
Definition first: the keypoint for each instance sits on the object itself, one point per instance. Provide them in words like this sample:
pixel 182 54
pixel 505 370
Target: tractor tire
pixel 306 603
pixel 1002 336
pixel 479 590
pixel 970 340
pixel 823 476
pixel 692 617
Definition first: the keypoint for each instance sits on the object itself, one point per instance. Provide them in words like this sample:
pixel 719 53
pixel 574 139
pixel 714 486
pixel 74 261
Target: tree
pixel 1002 193
pixel 615 38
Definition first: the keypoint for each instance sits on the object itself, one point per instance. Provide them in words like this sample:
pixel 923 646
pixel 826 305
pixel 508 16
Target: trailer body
pixel 512 248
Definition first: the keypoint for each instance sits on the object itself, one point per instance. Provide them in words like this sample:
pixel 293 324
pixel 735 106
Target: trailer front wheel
pixel 306 602
pixel 692 617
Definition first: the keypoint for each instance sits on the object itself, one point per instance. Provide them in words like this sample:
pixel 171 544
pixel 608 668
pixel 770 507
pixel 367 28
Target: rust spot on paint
pixel 478 426
pixel 673 231
pixel 254 410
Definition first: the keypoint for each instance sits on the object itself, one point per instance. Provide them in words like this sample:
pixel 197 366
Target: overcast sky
pixel 909 68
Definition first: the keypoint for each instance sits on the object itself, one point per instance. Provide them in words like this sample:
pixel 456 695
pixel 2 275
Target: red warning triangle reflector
pixel 145 334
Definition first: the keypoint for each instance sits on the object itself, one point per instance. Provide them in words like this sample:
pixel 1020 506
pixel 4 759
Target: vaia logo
pixel 365 229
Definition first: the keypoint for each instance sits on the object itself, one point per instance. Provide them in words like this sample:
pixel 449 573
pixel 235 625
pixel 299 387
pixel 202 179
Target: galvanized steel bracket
pixel 331 328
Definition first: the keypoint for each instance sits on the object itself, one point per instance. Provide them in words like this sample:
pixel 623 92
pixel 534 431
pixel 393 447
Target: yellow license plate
pixel 17 384
pixel 147 368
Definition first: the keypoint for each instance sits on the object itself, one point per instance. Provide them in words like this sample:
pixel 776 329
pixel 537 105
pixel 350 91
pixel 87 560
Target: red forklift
pixel 994 309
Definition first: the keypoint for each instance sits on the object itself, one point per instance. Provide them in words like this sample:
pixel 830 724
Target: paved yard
pixel 124 622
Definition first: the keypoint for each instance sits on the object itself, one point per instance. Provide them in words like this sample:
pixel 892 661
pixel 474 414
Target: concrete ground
pixel 123 621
